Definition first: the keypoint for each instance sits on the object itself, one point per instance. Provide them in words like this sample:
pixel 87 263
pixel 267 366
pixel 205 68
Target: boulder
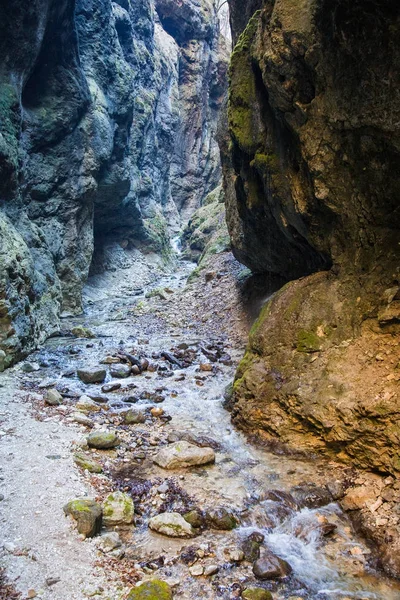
pixel 92 375
pixel 118 509
pixel 102 440
pixel 120 371
pixel 86 404
pixel 132 417
pixel 183 454
pixel 221 518
pixel 53 398
pixel 256 594
pixel 87 514
pixel 171 524
pixel 271 566
pixel 151 590
pixel 86 463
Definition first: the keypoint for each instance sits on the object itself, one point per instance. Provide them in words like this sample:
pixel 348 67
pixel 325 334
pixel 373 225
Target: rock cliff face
pixel 313 196
pixel 107 119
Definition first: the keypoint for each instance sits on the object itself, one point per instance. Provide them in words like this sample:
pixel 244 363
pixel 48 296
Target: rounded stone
pixel 118 509
pixel 102 440
pixel 151 590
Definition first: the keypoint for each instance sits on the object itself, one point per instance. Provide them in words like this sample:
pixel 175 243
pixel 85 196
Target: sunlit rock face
pixel 107 120
pixel 312 195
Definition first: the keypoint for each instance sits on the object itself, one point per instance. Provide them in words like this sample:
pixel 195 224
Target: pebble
pixel 196 570
pixel 211 570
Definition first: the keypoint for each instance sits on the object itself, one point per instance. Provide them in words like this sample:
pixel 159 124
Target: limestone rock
pixel 151 590
pixel 86 404
pixel 183 454
pixel 87 463
pixel 172 525
pixel 92 375
pixel 118 509
pixel 87 514
pixel 102 440
pixel 53 398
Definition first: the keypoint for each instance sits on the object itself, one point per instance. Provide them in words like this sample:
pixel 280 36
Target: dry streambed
pixel 123 477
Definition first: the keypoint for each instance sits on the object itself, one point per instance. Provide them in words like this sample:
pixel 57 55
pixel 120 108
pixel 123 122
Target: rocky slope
pixel 312 196
pixel 108 113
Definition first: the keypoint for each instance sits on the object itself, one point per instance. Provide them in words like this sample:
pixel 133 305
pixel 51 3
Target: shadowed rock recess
pixel 107 119
pixel 312 195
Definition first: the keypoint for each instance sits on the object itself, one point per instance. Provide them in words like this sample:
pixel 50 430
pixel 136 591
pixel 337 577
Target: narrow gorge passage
pixel 192 335
pixel 199 299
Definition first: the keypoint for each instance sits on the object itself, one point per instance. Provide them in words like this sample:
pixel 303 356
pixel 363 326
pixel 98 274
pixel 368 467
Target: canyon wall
pixel 312 195
pixel 108 112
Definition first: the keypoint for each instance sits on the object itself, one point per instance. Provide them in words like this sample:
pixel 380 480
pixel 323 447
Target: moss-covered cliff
pixel 313 195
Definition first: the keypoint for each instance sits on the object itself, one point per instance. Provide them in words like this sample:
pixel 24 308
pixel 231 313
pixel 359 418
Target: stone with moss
pixel 83 332
pixel 87 514
pixel 118 509
pixel 256 594
pixel 308 341
pixel 86 463
pixel 222 519
pixel 172 525
pixel 151 590
pixel 102 440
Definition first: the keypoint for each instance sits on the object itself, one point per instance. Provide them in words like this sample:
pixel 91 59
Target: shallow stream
pixel 244 478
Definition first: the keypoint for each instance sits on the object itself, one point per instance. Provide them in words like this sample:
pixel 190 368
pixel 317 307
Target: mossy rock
pixel 151 590
pixel 256 594
pixel 118 509
pixel 102 440
pixel 82 332
pixel 308 341
pixel 86 463
pixel 87 514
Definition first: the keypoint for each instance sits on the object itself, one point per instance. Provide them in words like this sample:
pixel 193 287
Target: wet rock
pixel 86 404
pixel 53 398
pixel 144 364
pixel 110 387
pixel 135 370
pixel 97 398
pixel 109 541
pixel 82 419
pixel 132 417
pixel 151 590
pixel 82 332
pixel 86 463
pixel 195 518
pixel 102 440
pixel 183 454
pixel 251 546
pixel 311 496
pixel 87 514
pixel 120 371
pixel 28 367
pixel 92 375
pixel 3 361
pixel 271 566
pixel 256 594
pixel 171 524
pixel 118 509
pixel 206 367
pixel 221 518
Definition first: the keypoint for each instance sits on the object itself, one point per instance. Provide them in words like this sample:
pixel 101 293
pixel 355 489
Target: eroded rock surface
pixel 107 119
pixel 309 193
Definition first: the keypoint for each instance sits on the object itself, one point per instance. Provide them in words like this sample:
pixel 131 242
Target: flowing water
pixel 335 566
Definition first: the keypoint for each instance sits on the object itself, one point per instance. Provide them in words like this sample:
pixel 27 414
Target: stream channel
pixel 193 347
